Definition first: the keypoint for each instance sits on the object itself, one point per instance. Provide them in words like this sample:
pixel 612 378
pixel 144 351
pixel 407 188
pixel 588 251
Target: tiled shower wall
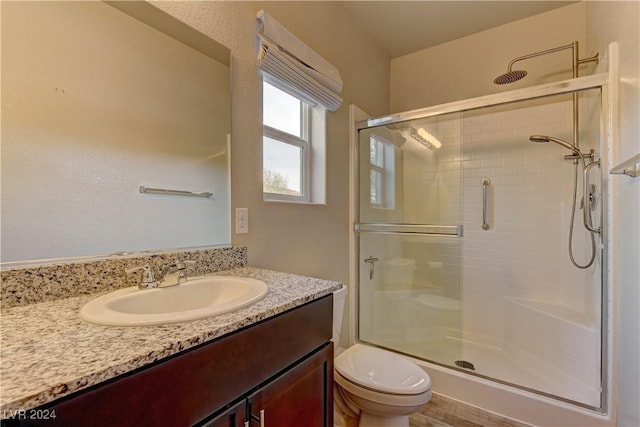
pixel 524 253
pixel 521 263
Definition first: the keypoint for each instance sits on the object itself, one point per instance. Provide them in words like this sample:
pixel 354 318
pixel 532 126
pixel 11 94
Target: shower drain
pixel 464 364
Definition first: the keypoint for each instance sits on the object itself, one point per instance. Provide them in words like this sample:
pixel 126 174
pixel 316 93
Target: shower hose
pixel 585 205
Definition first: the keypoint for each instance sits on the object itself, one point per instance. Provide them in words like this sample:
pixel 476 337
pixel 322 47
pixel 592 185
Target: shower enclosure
pixel 463 233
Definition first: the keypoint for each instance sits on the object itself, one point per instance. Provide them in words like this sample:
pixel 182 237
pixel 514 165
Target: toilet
pixel 374 387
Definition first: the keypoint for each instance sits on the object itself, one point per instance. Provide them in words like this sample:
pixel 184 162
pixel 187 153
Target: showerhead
pixel 509 77
pixel 513 76
pixel 545 138
pixel 539 138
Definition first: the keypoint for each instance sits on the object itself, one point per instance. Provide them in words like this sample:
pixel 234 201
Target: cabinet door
pixel 232 417
pixel 302 396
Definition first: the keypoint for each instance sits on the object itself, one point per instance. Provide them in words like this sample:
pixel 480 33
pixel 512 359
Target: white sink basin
pixel 194 299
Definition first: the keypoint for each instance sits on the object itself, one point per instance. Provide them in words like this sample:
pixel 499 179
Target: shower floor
pixel 498 364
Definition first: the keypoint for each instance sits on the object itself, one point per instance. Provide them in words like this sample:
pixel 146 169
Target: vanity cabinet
pixel 282 366
pixel 296 398
pixel 232 417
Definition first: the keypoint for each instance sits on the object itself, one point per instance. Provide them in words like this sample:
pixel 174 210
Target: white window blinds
pixel 286 58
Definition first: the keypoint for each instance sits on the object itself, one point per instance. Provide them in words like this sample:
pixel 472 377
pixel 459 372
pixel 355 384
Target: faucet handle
pixel 182 265
pixel 174 272
pixel 147 278
pixel 186 262
pixel 176 264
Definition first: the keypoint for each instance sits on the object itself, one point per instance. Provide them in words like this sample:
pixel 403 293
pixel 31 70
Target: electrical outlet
pixel 242 220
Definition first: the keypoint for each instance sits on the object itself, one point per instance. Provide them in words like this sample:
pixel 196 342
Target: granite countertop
pixel 48 352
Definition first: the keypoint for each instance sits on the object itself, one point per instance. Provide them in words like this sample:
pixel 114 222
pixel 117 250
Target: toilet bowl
pixel 374 387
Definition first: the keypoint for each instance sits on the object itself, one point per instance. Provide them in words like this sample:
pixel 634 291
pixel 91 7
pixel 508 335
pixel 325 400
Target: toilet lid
pixel 381 370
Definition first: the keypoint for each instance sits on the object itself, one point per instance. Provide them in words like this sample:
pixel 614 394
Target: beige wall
pixel 304 239
pixel 465 68
pixel 618 22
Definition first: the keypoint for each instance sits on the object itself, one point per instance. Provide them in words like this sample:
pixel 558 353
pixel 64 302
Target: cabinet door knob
pixel 261 417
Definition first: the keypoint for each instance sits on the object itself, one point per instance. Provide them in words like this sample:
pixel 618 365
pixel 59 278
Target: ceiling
pixel 402 27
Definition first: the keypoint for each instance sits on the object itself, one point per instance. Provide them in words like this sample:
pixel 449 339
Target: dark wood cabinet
pixel 232 417
pixel 301 396
pixel 282 365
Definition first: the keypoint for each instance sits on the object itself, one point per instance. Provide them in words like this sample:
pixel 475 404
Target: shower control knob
pixel 372 268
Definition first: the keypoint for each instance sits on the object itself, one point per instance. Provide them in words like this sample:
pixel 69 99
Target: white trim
pixel 356 115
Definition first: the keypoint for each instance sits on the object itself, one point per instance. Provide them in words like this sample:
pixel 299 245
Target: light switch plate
pixel 242 220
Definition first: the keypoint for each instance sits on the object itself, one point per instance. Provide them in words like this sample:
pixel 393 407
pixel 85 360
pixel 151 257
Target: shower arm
pixel 575 62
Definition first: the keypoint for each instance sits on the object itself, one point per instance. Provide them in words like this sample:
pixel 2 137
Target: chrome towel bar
pixel 164 192
pixel 629 167
pixel 409 229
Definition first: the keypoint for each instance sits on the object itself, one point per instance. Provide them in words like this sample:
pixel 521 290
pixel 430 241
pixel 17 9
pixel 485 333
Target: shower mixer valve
pixel 372 268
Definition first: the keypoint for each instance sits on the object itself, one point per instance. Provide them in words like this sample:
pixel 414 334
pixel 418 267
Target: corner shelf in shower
pixel 629 167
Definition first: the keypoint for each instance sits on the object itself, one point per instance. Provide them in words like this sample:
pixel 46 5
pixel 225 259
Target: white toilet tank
pixel 339 300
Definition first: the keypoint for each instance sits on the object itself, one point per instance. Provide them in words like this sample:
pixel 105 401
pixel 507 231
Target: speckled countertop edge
pixel 48 352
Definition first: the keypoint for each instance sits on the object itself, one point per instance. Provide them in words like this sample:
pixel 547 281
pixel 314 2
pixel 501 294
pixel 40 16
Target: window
pixel 292 147
pixel 381 173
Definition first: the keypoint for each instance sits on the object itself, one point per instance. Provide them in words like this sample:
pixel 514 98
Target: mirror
pixel 98 99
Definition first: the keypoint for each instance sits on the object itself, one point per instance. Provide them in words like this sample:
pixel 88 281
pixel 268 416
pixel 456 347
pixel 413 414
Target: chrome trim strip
pixel 422 229
pixel 565 86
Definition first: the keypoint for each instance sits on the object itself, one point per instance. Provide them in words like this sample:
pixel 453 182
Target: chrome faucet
pixel 171 274
pixel 174 273
pixel 147 278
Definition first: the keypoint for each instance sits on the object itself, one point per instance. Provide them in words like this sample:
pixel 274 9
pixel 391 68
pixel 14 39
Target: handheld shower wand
pixel 545 138
pixel 586 211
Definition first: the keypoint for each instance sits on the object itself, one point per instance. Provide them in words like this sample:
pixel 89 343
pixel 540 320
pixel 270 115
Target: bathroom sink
pixel 197 298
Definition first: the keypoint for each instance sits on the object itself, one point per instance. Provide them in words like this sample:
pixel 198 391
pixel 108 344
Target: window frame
pixel 385 173
pixel 304 142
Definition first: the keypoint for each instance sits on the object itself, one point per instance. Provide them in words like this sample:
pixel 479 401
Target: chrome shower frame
pixel 604 82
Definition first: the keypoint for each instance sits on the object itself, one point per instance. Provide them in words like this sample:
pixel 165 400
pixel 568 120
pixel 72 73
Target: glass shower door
pixel 521 301
pixel 409 238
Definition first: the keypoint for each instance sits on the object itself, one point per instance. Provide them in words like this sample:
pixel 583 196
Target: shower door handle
pixel 485 203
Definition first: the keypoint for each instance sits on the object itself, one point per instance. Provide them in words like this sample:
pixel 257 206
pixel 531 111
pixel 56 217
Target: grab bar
pixel 485 202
